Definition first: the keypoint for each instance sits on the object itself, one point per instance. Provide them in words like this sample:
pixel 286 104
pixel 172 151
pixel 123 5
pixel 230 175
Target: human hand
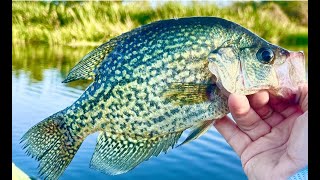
pixel 270 134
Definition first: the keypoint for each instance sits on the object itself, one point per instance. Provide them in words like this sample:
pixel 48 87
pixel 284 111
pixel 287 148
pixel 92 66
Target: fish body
pixel 151 84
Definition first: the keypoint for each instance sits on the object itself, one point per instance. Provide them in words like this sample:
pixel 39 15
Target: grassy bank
pixel 92 23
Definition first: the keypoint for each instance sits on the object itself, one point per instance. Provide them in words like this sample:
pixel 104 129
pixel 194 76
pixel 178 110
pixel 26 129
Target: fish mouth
pixel 288 76
pixel 291 74
pixel 283 79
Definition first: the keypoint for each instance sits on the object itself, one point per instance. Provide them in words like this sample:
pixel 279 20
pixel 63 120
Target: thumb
pixel 302 97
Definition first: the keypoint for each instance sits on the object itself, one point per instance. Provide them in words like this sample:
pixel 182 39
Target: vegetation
pixel 92 23
pixel 37 61
pixel 46 35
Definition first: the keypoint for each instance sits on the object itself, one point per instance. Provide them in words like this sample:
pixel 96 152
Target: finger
pixel 246 118
pixel 277 103
pixel 274 119
pixel 303 97
pixel 259 99
pixel 233 135
pixel 299 137
pixel 282 106
pixel 259 102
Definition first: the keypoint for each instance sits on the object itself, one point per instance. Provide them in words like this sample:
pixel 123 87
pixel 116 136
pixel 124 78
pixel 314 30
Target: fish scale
pixel 150 85
pixel 136 70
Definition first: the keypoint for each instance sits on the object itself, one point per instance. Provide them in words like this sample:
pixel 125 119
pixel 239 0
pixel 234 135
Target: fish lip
pixel 290 74
pixel 296 54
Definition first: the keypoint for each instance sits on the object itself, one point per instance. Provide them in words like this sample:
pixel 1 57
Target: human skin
pixel 269 134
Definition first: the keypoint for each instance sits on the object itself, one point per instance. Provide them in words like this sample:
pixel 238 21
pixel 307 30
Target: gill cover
pixel 224 64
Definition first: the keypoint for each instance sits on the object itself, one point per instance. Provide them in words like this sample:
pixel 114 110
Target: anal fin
pixel 119 154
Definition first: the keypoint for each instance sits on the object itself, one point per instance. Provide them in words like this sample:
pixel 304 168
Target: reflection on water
pixel 37 73
pixel 34 60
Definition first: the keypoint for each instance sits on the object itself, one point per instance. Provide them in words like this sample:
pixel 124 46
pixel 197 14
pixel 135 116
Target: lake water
pixel 37 92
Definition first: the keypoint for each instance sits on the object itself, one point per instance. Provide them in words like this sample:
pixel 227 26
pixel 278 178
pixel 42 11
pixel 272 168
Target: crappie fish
pixel 153 83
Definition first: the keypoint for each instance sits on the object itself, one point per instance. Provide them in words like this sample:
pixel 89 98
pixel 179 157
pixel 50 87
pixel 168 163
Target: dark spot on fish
pixel 139 80
pixel 147 123
pixel 158 119
pixel 167 100
pixel 91 92
pixel 120 93
pixel 152 133
pixel 174 122
pixel 83 117
pixel 123 126
pixel 174 111
pixel 72 116
pixel 126 114
pixel 93 120
pixel 122 83
pixel 91 106
pixel 82 124
pixel 128 96
pixel 78 129
pixel 99 115
pixel 132 126
pixel 103 125
pixel 153 103
pixel 140 106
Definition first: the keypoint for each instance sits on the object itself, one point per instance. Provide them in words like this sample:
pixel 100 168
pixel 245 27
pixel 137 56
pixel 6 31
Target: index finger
pixel 237 139
pixel 260 103
pixel 247 119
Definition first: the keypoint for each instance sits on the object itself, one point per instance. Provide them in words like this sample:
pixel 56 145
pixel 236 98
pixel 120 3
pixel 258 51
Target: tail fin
pixel 52 144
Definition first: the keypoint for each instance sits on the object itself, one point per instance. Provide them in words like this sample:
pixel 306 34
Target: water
pixel 37 93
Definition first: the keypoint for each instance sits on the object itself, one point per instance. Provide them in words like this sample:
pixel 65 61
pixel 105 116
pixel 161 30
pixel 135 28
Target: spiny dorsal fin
pixel 86 66
pixel 189 93
pixel 198 131
pixel 119 154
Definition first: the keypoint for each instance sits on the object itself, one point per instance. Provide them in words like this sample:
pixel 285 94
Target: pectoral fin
pixel 197 131
pixel 119 154
pixel 189 93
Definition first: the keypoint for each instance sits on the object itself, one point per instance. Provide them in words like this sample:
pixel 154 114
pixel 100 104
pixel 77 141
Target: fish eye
pixel 265 55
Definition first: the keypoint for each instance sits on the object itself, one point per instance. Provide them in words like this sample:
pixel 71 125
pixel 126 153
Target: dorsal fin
pixel 86 66
pixel 85 69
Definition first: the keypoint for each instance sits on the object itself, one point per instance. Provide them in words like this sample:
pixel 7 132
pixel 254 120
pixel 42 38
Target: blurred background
pixel 49 38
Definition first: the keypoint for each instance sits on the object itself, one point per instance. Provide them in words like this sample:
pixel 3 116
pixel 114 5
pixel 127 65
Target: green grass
pixel 92 23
